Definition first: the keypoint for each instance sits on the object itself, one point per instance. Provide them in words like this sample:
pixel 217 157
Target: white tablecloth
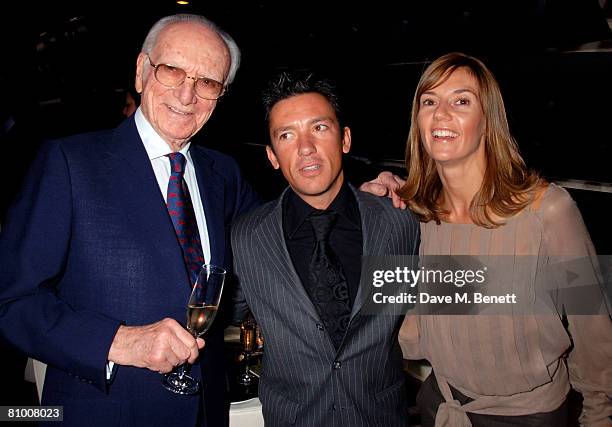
pixel 246 414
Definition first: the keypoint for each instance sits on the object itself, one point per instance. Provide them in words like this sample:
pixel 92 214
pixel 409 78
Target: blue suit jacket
pixel 89 245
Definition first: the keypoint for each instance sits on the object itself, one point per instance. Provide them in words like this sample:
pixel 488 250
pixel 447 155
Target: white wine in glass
pixel 247 339
pixel 201 311
pixel 200 318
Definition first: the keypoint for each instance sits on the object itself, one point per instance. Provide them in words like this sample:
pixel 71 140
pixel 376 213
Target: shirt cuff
pixel 109 370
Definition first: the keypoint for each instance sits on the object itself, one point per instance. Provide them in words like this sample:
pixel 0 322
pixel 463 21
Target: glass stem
pixel 183 369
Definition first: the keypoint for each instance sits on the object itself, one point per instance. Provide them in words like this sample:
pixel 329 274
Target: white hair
pixel 157 28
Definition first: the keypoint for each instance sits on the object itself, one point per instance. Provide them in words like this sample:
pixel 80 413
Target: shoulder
pixel 239 195
pixel 559 214
pixel 221 164
pixel 246 223
pixel 75 147
pixel 220 160
pixel 82 141
pixel 384 206
pixel 553 200
pixel 398 230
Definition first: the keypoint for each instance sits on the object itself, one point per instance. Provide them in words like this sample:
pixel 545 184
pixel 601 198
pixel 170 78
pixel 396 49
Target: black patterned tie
pixel 183 218
pixel 328 288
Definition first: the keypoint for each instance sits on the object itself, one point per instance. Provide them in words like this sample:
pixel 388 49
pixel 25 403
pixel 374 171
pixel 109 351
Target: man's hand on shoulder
pixel 159 346
pixel 386 184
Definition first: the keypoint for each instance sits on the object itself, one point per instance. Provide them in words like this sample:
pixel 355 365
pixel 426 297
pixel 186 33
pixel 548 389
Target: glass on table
pixel 247 341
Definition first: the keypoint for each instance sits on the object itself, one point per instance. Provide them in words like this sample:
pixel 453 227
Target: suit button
pixel 337 365
pixel 320 327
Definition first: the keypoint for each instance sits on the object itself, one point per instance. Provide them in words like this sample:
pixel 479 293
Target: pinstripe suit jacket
pixel 305 381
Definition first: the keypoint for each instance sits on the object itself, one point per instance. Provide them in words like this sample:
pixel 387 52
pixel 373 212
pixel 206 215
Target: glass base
pixel 180 384
pixel 246 379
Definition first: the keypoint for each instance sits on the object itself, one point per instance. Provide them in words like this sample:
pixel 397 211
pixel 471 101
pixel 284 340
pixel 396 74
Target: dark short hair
pixel 291 83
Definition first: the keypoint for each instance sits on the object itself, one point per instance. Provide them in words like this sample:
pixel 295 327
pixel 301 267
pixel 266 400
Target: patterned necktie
pixel 183 217
pixel 328 287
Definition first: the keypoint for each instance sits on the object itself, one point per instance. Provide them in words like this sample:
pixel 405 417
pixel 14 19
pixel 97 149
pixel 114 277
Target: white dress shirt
pixel 157 149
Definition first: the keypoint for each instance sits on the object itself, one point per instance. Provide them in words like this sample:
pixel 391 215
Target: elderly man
pixel 94 281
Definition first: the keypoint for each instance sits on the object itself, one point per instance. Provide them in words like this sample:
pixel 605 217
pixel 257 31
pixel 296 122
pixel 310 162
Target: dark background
pixel 66 65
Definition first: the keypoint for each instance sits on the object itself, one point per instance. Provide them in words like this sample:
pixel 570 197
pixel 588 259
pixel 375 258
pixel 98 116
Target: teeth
pixel 442 133
pixel 176 111
pixel 311 168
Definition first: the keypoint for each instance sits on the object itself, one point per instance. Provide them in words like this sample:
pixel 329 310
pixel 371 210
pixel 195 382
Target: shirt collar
pixel 154 144
pixel 297 210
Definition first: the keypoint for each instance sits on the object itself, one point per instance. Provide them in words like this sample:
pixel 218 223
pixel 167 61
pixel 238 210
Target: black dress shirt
pixel 345 239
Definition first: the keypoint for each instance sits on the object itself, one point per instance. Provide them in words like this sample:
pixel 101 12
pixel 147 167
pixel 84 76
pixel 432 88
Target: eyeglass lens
pixel 174 77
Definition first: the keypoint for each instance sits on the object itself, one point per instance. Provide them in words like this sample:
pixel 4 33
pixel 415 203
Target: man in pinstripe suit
pixel 318 369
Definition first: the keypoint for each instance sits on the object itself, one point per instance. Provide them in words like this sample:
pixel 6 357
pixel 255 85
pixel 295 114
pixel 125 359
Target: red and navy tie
pixel 181 212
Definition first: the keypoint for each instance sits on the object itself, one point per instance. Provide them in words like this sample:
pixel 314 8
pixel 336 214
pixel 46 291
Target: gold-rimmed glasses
pixel 172 76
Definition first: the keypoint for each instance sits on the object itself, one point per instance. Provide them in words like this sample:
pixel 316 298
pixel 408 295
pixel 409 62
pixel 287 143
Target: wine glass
pixel 201 311
pixel 247 339
pixel 259 340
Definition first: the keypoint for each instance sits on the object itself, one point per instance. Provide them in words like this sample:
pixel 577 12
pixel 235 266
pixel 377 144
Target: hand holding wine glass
pixel 201 311
pixel 157 346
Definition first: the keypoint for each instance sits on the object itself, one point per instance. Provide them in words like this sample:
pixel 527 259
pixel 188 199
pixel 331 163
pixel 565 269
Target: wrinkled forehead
pixel 192 42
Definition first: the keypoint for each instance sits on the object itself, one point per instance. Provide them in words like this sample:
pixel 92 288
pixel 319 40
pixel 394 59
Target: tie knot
pixel 177 164
pixel 322 223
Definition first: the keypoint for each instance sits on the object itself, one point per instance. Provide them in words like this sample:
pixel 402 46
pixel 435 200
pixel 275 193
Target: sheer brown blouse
pixel 517 365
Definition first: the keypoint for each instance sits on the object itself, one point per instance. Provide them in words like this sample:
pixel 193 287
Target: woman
pixel 475 196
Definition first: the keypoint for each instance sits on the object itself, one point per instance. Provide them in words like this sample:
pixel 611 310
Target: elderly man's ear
pixel 140 65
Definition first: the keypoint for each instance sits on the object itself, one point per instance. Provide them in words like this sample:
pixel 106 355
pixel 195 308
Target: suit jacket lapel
pixel 375 229
pixel 271 236
pixel 135 186
pixel 211 187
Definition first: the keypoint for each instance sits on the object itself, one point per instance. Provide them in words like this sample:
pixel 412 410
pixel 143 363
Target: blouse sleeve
pixel 590 358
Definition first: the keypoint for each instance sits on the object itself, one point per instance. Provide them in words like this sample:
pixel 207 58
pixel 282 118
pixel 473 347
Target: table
pixel 246 414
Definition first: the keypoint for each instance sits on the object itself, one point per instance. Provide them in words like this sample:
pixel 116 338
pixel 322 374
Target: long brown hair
pixel 507 183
